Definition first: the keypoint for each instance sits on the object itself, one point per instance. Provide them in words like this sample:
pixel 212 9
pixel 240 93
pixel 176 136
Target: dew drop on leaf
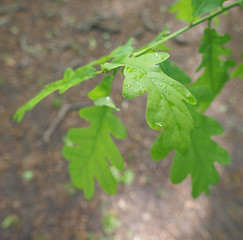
pixel 159 124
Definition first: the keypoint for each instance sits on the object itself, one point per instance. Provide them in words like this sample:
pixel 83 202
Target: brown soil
pixel 37 42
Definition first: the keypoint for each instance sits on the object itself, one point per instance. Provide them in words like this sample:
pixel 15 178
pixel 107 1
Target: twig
pixel 60 116
pixel 182 30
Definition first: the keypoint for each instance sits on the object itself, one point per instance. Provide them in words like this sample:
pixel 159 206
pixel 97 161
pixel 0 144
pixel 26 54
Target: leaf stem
pixel 182 30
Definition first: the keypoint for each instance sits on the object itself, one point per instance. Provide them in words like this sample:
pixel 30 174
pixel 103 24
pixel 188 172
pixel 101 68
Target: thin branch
pixel 182 30
pixel 60 116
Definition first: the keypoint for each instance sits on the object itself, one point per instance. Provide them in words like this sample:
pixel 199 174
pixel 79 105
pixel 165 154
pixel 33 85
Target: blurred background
pixel 38 41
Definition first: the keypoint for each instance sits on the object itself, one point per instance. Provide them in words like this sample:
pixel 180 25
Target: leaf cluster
pixel 174 105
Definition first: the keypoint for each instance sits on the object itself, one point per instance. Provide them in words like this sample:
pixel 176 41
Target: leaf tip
pixel 18 116
pixel 190 98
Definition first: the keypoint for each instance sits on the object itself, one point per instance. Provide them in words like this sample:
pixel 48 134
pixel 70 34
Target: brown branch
pixel 58 119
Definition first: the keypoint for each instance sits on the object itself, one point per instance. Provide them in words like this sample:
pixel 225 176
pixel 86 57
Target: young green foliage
pixel 200 158
pixel 216 70
pixel 165 107
pixel 189 10
pixel 103 89
pixel 91 151
pixel 70 79
pixel 91 148
pixel 201 7
pixel 173 71
pixel 159 150
pixel 238 72
pixel 184 10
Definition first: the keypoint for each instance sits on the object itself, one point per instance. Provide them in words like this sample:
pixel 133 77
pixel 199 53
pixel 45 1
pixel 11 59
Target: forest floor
pixel 38 41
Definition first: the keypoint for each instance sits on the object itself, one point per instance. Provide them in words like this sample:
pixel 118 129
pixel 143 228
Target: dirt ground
pixel 38 41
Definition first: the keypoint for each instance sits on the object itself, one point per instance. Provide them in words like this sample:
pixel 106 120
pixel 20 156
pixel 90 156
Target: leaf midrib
pixel 89 156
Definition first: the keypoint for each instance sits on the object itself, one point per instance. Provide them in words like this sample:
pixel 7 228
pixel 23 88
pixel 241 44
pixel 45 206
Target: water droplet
pixel 188 94
pixel 159 124
pixel 171 84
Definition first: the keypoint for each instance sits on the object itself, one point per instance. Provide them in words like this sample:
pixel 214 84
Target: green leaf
pixel 145 63
pixel 159 150
pixel 165 106
pixel 173 71
pixel 100 94
pixel 70 79
pixel 222 1
pixel 117 53
pixel 216 70
pixel 124 50
pixel 103 89
pixel 201 7
pixel 106 101
pixel 92 147
pixel 238 72
pixel 190 10
pixel 200 158
pixel 184 10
